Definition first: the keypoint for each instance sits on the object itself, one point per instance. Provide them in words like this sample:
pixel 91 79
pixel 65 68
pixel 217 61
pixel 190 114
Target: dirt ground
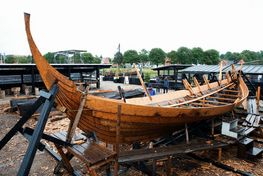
pixel 12 154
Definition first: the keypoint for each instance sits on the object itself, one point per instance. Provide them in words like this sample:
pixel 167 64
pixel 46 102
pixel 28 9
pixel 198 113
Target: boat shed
pixel 173 73
pixel 18 74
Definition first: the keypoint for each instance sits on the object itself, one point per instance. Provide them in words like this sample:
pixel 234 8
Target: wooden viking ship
pixel 142 119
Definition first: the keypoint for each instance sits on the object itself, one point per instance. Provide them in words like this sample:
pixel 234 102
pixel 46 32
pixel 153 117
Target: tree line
pixel 155 56
pixel 184 55
pixel 56 58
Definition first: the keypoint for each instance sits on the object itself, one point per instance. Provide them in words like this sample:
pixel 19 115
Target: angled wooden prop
pixel 143 118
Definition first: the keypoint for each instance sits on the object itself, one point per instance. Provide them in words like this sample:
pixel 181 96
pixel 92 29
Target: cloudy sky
pixel 98 26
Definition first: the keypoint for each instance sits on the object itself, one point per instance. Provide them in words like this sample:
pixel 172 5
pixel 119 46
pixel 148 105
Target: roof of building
pixel 173 66
pixel 8 69
pixel 248 69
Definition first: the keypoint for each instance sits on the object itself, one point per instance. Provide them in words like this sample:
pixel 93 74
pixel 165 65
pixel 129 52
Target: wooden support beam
pixel 258 97
pixel 220 72
pixel 142 82
pixel 228 78
pixel 118 126
pixel 186 133
pixel 64 158
pixel 169 166
pixel 197 85
pixel 188 86
pixel 72 129
pixel 213 127
pixel 219 154
pixel 206 81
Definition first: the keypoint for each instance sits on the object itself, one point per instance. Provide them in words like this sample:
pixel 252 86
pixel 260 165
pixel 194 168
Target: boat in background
pixel 142 119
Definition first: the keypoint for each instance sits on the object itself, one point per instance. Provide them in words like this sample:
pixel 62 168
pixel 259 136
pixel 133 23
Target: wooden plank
pixel 203 105
pixel 160 152
pixel 72 128
pixel 215 102
pixel 229 90
pixel 229 95
pixel 118 126
pixel 220 98
pixel 90 153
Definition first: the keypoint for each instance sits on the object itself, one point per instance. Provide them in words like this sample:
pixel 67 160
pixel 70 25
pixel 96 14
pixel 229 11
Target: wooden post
pixel 258 98
pixel 169 166
pixel 186 134
pixel 213 128
pixel 219 154
pixel 220 72
pixel 117 147
pixel 154 167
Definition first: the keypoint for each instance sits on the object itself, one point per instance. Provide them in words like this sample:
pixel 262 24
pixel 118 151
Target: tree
pixel 143 56
pixel 157 56
pixel 60 58
pixel 172 56
pixel 22 59
pixel 10 59
pixel 198 55
pixel 249 55
pixel 118 58
pixel 50 57
pixel 30 59
pixel 131 56
pixel 184 55
pixel 77 58
pixel 211 56
pixel 87 57
pixel 97 59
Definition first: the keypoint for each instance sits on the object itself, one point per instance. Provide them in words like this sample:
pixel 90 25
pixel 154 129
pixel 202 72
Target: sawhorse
pixel 34 135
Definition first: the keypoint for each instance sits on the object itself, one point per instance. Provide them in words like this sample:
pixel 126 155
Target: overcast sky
pixel 98 26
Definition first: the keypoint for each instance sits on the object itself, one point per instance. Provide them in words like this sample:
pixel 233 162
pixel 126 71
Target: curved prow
pixel 48 74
